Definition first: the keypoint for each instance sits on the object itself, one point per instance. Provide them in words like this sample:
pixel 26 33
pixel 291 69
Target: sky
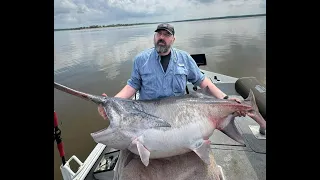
pixel 78 13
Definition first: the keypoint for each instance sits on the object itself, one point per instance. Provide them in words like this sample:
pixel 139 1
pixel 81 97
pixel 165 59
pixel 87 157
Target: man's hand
pixel 101 110
pixel 239 113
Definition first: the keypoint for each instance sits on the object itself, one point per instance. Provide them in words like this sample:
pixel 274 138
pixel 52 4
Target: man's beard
pixel 162 48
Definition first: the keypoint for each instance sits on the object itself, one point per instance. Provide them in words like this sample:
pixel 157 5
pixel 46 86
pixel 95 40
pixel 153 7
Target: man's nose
pixel 160 39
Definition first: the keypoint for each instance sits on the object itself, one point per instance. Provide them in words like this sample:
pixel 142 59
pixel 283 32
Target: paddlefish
pixel 168 126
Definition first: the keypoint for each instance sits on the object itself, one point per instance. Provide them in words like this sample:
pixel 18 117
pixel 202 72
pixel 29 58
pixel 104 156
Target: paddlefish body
pixel 169 126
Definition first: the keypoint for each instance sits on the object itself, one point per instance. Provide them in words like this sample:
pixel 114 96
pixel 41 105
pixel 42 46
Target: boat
pixel 236 161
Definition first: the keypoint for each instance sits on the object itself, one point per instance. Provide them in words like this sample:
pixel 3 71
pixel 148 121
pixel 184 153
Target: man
pixel 163 71
pixel 160 72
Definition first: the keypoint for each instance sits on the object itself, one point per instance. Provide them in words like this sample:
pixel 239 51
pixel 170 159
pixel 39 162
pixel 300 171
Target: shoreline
pixel 137 24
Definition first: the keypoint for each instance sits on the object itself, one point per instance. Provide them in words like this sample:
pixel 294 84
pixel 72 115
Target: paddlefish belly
pixel 166 142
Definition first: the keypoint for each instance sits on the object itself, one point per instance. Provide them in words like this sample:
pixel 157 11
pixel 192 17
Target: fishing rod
pixel 57 138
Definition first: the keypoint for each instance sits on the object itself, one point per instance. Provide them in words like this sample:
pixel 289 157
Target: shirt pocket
pixel 179 80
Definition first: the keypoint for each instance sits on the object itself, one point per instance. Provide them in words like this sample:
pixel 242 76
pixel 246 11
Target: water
pixel 99 61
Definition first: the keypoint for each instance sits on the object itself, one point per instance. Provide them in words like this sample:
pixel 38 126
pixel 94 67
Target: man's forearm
pixel 126 92
pixel 213 89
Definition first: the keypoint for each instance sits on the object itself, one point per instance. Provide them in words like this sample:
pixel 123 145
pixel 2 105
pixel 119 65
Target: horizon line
pixel 131 24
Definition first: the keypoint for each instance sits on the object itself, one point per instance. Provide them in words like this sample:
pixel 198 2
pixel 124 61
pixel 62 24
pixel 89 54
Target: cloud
pixel 75 13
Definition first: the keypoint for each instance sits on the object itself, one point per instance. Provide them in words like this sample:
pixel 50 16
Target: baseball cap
pixel 165 26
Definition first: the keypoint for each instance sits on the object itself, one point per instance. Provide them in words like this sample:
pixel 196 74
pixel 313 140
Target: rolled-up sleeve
pixel 194 74
pixel 135 79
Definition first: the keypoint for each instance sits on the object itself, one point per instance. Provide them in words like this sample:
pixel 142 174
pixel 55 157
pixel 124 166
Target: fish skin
pixel 254 114
pixel 169 126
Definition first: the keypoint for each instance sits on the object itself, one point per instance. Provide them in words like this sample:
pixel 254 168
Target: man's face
pixel 163 41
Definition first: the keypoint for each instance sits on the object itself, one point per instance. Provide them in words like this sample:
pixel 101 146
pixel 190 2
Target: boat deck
pixel 238 162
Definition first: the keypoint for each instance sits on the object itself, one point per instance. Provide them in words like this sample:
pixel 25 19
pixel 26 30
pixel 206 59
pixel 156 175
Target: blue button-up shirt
pixel 149 78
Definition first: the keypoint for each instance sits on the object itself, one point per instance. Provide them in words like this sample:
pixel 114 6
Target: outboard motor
pixel 243 86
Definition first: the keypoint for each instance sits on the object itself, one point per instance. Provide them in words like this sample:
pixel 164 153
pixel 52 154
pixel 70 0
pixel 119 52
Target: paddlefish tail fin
pixel 255 114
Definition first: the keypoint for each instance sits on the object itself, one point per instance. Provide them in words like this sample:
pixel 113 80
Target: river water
pixel 99 61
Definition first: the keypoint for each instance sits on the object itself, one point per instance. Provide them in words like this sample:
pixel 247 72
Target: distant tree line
pixel 134 24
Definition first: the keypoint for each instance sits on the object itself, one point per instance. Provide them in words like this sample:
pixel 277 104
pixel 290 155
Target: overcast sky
pixel 76 13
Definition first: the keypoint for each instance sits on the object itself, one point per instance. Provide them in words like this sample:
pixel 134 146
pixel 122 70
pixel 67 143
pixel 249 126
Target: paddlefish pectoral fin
pixel 144 153
pixel 202 149
pixel 231 130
